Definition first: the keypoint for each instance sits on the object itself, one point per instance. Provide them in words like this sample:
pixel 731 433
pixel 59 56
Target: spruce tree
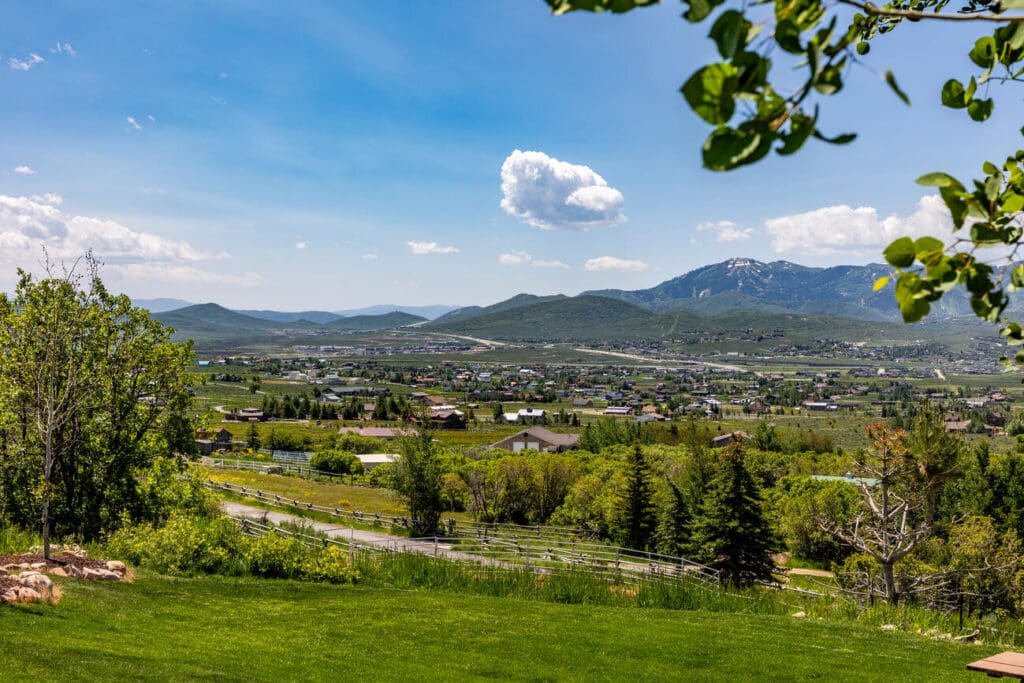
pixel 731 533
pixel 674 520
pixel 638 513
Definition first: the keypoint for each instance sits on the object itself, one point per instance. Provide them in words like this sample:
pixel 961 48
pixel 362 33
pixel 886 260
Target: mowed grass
pixel 216 628
pixel 363 498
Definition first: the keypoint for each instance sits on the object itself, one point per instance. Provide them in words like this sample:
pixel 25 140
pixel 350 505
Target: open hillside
pixel 163 628
pixel 518 301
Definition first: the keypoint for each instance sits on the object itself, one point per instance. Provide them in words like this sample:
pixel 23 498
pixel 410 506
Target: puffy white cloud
pixel 854 231
pixel 423 248
pixel 301 244
pixel 614 263
pixel 555 195
pixel 29 224
pixel 518 258
pixel 48 198
pixel 27 63
pixel 726 231
pixel 24 170
pixel 514 258
pixel 133 123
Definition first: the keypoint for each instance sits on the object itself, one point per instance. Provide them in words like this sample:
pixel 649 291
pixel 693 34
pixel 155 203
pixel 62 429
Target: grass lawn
pixel 251 629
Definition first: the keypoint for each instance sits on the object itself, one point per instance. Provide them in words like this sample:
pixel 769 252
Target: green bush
pixel 186 545
pixel 336 462
pixel 330 565
pixel 276 556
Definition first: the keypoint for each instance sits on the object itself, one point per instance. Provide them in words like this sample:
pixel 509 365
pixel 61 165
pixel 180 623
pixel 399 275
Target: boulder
pixel 10 595
pixel 38 565
pixel 73 571
pixel 28 594
pixel 100 575
pixel 798 615
pixel 39 582
pixel 56 571
pixel 117 566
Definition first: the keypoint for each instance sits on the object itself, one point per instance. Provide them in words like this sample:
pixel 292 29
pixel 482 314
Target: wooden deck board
pixel 1002 664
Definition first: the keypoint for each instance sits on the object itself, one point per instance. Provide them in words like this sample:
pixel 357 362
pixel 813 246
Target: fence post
pixel 435 547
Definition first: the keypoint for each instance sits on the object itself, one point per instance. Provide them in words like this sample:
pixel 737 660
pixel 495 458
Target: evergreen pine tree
pixel 638 513
pixel 731 533
pixel 672 532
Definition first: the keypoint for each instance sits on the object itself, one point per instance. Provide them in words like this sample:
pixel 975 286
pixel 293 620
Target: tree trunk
pixel 890 583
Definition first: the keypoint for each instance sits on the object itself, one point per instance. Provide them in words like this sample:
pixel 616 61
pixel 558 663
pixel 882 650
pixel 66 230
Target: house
pixel 538 439
pixel 525 416
pixel 730 438
pixel 248 415
pixel 372 460
pixel 448 419
pixel 618 410
pixel 582 403
pixel 222 440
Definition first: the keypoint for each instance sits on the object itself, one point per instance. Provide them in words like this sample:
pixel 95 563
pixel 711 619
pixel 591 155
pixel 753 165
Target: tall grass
pixel 14 541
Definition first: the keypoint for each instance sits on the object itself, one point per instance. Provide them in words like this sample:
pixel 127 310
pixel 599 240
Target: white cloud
pixel 549 264
pixel 555 195
pixel 518 258
pixel 514 258
pixel 423 248
pixel 64 48
pixel 859 232
pixel 614 263
pixel 134 124
pixel 48 198
pixel 29 224
pixel 370 257
pixel 24 170
pixel 27 63
pixel 152 119
pixel 301 244
pixel 726 231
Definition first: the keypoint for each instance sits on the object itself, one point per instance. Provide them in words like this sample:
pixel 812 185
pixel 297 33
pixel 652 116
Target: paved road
pixel 345 533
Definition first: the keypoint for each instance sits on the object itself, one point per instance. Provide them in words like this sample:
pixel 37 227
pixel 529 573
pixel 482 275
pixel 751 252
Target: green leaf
pixel 830 80
pixel 1013 203
pixel 880 283
pixel 926 246
pixel 953 94
pixel 841 139
pixel 954 201
pixel 709 92
pixel 980 110
pixel 787 35
pixel 900 254
pixel 699 9
pixel 800 128
pixel 891 80
pixel 730 32
pixel 617 6
pixel 729 148
pixel 939 179
pixel 984 52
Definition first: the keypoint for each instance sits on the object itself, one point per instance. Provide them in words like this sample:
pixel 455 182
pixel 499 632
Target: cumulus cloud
pixel 28 224
pixel 614 263
pixel 423 248
pixel 854 231
pixel 555 195
pixel 726 231
pixel 26 63
pixel 518 258
pixel 24 170
pixel 133 123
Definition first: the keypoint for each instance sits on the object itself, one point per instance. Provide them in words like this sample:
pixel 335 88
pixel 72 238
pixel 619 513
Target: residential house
pixel 538 439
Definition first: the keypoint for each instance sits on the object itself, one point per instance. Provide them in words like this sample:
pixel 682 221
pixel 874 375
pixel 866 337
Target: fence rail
pixel 497 547
pixel 264 467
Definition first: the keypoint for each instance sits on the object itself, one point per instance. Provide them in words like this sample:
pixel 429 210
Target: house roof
pixel 547 435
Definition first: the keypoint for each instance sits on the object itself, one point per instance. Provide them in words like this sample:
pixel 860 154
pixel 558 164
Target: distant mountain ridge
pixel 777 287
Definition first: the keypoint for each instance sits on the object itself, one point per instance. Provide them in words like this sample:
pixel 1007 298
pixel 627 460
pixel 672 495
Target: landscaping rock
pixel 38 565
pixel 8 596
pixel 36 581
pixel 888 627
pixel 100 575
pixel 117 566
pixel 28 595
pixel 74 572
pixel 799 615
pixel 56 571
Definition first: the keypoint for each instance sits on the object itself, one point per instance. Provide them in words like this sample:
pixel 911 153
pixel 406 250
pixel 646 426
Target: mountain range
pixel 722 296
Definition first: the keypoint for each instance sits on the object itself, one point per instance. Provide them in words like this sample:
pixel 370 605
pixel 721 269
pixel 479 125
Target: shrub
pixel 330 565
pixel 184 545
pixel 336 462
pixel 275 556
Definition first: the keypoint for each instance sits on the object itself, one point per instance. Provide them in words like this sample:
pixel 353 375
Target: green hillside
pixel 367 323
pixel 162 628
pixel 518 301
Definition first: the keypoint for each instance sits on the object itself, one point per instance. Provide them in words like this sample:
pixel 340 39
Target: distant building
pixel 538 439
pixel 730 438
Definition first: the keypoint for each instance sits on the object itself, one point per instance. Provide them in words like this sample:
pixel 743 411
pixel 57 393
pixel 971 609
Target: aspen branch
pixel 875 11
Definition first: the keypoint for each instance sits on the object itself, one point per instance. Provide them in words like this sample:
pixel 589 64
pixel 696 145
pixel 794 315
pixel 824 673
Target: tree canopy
pixel 754 106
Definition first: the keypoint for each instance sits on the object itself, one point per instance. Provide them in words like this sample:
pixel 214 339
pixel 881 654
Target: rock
pixel 10 595
pixel 38 565
pixel 23 566
pixel 100 575
pixel 888 627
pixel 798 615
pixel 73 571
pixel 56 571
pixel 117 566
pixel 28 594
pixel 38 582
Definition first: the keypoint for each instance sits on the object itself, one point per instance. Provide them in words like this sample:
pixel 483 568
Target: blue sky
pixel 338 154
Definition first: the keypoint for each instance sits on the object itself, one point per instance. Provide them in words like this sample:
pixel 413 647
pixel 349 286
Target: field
pixel 249 629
